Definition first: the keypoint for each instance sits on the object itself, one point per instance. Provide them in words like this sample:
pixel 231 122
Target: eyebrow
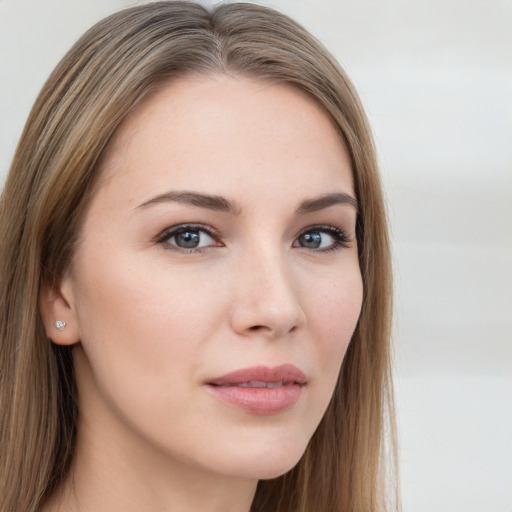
pixel 219 203
pixel 325 201
pixel 210 202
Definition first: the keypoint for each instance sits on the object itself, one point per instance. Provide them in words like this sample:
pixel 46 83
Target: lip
pixel 261 390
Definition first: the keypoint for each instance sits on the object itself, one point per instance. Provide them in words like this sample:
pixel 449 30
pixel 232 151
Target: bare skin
pixel 170 289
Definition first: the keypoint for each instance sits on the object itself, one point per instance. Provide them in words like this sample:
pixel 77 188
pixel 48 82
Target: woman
pixel 195 275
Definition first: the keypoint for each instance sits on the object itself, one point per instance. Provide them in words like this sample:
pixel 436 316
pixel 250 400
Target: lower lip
pixel 263 401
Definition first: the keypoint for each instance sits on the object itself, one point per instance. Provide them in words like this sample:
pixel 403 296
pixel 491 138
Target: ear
pixel 59 316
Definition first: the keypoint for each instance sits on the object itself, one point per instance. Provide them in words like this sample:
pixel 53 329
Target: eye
pixel 189 238
pixel 322 238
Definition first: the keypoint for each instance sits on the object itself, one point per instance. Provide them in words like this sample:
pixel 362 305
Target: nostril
pixel 256 328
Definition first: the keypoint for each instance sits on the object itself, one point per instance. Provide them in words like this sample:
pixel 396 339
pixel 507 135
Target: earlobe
pixel 59 317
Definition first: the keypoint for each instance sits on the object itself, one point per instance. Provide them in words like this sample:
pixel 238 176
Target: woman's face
pixel 216 283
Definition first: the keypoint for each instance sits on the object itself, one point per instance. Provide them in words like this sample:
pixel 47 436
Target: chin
pixel 265 470
pixel 275 471
pixel 266 460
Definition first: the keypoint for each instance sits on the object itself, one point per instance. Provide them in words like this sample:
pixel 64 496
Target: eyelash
pixel 340 239
pixel 169 233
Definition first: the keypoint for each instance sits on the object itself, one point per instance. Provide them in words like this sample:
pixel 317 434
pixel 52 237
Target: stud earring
pixel 60 324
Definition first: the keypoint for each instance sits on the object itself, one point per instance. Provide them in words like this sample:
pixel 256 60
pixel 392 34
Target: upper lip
pixel 285 373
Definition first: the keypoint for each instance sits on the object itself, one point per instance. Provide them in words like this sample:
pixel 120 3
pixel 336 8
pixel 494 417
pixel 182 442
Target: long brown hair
pixel 93 89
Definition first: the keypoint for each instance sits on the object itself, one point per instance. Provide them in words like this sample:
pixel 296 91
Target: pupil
pixel 187 239
pixel 311 240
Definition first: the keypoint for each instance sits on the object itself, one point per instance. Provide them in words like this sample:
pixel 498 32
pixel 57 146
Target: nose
pixel 267 301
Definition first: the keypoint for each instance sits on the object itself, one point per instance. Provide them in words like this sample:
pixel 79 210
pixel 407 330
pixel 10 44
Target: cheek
pixel 144 326
pixel 146 330
pixel 333 316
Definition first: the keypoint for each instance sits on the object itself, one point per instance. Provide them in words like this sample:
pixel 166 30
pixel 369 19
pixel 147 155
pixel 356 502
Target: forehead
pixel 227 128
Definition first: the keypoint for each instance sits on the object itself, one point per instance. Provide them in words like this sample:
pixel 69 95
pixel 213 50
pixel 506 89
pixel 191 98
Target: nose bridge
pixel 268 300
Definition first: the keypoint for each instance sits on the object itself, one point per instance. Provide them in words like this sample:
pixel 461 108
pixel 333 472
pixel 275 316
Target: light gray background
pixel 436 79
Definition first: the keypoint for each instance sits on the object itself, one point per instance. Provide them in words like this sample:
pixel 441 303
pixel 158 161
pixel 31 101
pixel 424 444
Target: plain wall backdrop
pixel 436 79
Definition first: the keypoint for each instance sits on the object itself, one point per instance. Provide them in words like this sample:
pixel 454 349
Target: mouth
pixel 258 384
pixel 262 376
pixel 260 390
